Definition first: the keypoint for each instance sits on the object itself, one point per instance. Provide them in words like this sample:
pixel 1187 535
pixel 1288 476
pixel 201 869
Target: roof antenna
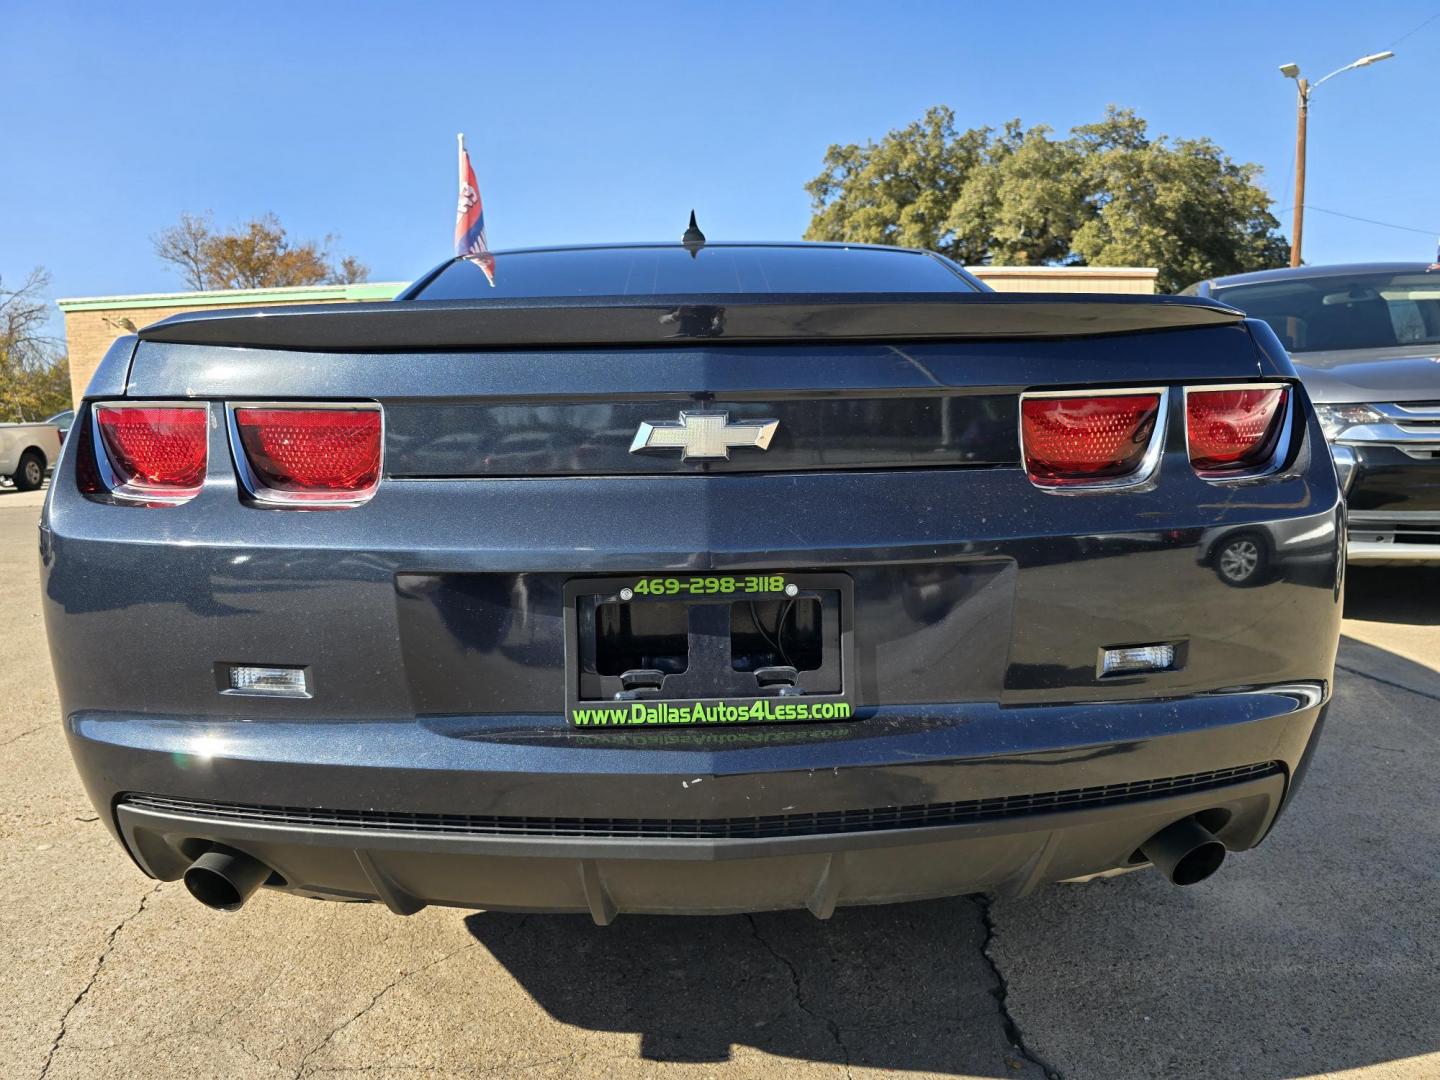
pixel 693 239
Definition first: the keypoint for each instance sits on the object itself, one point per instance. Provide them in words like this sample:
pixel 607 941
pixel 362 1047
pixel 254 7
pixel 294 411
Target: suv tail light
pixel 150 453
pixel 309 455
pixel 1234 430
pixel 1092 439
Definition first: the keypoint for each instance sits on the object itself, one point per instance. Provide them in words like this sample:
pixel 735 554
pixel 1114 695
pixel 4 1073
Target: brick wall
pixel 1139 280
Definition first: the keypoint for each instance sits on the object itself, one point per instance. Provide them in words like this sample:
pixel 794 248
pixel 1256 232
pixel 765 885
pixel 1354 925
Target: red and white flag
pixel 470 240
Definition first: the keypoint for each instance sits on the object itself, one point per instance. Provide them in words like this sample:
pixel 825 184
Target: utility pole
pixel 1302 118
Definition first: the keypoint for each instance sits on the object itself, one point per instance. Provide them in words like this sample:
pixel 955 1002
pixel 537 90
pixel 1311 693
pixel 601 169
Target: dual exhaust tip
pixel 224 879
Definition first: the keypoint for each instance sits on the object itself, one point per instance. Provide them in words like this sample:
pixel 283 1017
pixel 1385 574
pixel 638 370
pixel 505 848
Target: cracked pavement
pixel 1314 955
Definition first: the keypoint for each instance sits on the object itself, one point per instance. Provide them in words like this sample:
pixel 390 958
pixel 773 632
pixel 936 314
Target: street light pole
pixel 1302 118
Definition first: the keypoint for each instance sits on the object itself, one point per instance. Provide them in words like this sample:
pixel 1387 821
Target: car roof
pixel 1257 277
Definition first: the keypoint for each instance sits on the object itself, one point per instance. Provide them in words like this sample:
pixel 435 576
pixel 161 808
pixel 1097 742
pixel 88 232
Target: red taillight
pixel 1233 430
pixel 153 453
pixel 307 455
pixel 1077 439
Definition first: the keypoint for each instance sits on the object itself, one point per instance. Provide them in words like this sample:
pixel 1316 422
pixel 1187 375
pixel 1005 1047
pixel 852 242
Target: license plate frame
pixel 828 697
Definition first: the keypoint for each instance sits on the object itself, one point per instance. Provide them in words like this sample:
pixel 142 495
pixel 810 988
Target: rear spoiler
pixel 415 325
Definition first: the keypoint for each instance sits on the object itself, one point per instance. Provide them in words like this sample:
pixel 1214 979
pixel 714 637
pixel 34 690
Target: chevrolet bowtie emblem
pixel 704 435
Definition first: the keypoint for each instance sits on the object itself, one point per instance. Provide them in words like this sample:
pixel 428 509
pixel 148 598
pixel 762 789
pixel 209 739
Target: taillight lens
pixel 1233 430
pixel 1078 439
pixel 308 455
pixel 153 453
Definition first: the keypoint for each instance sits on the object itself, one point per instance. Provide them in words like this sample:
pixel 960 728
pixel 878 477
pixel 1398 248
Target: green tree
pixel 257 254
pixel 34 372
pixel 1184 207
pixel 1108 195
pixel 1022 204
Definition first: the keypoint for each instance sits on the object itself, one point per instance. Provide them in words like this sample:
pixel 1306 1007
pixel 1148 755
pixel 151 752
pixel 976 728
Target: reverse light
pixel 1234 429
pixel 1091 439
pixel 312 456
pixel 1135 659
pixel 153 453
pixel 250 681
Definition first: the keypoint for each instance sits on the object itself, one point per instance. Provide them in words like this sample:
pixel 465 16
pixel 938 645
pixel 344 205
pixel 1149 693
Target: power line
pixel 1353 217
pixel 1412 33
pixel 1372 221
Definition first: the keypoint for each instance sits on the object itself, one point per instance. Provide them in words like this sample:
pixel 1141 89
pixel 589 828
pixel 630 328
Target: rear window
pixel 1352 311
pixel 663 271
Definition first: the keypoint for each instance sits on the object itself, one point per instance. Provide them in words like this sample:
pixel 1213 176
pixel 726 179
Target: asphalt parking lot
pixel 1315 955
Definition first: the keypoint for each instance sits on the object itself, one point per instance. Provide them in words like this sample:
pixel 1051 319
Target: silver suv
pixel 1365 339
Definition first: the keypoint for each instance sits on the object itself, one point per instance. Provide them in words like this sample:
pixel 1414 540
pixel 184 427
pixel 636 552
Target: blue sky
pixel 592 122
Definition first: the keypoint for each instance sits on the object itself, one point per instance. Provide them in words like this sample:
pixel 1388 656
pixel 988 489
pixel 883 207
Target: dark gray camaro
pixel 691 578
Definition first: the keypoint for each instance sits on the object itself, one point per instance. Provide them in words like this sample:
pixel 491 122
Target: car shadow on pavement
pixel 1314 954
pixel 1409 594
pixel 899 987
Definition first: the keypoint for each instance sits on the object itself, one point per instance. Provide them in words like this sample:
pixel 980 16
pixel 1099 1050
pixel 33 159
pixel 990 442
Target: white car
pixel 27 451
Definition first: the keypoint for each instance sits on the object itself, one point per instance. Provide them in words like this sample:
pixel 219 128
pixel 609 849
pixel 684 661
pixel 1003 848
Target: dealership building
pixel 92 323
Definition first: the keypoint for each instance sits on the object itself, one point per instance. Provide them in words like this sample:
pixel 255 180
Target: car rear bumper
pixel 899 805
pixel 607 877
